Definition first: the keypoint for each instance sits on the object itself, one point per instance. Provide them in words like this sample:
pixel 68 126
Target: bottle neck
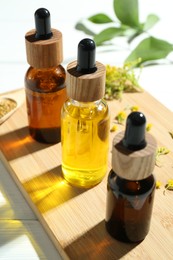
pixel 131 187
pixel 47 69
pixel 85 104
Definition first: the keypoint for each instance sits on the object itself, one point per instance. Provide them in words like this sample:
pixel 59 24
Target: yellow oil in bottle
pixel 85 142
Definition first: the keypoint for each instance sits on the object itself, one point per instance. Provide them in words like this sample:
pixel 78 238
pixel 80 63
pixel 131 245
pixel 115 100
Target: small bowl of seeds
pixel 7 108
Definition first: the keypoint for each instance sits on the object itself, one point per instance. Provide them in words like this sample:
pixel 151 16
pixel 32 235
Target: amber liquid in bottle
pixel 45 96
pixel 129 207
pixel 85 141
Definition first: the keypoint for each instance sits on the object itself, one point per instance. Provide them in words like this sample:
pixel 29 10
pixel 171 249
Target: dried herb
pixel 121 117
pixel 161 151
pixel 148 127
pixel 169 185
pixel 158 184
pixel 134 108
pixel 114 128
pixel 119 80
pixel 6 105
pixel 171 134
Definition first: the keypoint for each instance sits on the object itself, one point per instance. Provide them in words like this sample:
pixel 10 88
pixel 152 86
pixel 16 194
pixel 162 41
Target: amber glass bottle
pixel 45 95
pixel 131 184
pixel 44 80
pixel 130 207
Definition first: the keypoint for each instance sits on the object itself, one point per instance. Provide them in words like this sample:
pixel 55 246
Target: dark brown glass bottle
pixel 45 96
pixel 130 205
pixel 45 80
pixel 131 184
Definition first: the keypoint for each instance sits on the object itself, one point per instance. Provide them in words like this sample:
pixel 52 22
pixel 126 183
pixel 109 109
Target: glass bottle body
pixel 45 95
pixel 85 142
pixel 129 207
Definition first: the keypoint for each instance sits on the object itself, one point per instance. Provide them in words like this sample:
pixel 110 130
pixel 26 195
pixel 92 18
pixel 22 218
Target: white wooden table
pixel 21 234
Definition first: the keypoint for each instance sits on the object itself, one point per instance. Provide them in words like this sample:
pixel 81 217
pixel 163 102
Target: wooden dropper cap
pixel 134 152
pixel 43 44
pixel 85 81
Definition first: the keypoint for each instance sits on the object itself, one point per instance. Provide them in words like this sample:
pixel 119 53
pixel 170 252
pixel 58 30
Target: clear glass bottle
pixel 44 80
pixel 85 122
pixel 131 184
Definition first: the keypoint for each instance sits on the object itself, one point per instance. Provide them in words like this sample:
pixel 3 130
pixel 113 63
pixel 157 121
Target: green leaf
pixel 127 12
pixel 100 18
pixel 151 20
pixel 81 27
pixel 150 49
pixel 132 36
pixel 108 34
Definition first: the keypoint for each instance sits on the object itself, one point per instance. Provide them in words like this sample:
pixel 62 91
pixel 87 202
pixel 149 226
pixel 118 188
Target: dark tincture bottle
pixel 131 184
pixel 44 80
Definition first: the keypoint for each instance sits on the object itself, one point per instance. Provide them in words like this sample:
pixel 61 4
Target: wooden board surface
pixel 73 217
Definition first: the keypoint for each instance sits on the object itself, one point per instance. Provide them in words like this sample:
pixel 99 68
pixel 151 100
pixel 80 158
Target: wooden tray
pixel 73 217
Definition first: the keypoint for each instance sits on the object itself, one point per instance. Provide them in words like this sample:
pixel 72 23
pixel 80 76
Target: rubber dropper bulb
pixel 134 137
pixel 42 24
pixel 86 56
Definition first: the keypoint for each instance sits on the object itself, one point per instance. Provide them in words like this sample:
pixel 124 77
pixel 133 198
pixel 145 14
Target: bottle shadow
pixel 49 190
pixel 19 143
pixel 97 244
